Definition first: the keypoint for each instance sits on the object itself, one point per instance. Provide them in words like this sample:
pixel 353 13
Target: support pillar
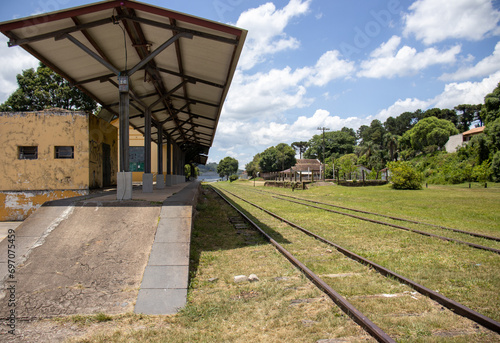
pixel 124 177
pixel 160 180
pixel 147 177
pixel 168 177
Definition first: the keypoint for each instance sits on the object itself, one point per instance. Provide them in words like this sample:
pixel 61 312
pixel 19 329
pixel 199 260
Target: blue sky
pixel 313 63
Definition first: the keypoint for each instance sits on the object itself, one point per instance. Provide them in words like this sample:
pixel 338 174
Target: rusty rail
pixel 391 217
pixel 446 302
pixel 340 301
pixel 473 245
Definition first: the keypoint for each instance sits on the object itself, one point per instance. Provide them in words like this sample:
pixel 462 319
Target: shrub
pixel 404 176
pixel 233 177
pixel 482 172
pixel 495 166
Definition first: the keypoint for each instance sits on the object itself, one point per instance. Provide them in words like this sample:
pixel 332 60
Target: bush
pixel 495 166
pixel 404 176
pixel 233 177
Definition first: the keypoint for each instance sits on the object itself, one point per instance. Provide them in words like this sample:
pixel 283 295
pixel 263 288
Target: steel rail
pixel 340 301
pixel 391 217
pixel 454 306
pixel 473 245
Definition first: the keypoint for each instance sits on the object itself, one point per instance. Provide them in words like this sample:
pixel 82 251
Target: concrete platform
pixel 163 279
pixel 164 285
pixel 6 226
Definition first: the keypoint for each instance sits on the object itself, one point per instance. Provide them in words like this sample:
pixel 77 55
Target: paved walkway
pixel 164 284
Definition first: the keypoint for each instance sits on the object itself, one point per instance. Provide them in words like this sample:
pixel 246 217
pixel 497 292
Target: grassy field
pixel 283 306
pixel 464 274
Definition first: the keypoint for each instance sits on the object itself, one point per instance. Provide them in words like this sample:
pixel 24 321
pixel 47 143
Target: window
pixel 65 152
pixel 28 152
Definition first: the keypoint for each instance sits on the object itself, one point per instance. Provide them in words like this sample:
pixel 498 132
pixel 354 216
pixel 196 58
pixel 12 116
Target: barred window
pixel 28 152
pixel 65 152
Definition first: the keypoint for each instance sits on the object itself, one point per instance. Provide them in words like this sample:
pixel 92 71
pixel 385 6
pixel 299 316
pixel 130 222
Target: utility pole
pixel 324 129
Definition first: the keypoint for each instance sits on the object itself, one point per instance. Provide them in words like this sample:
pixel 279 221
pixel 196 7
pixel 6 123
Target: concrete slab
pixel 160 181
pixel 165 277
pixel 147 183
pixel 124 186
pixel 160 301
pixel 170 212
pixel 175 230
pixel 174 254
pixel 6 226
pixel 164 285
pixel 169 180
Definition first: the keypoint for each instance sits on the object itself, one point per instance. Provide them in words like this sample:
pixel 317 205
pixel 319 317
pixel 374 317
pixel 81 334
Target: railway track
pixel 357 316
pixel 474 234
pixel 420 232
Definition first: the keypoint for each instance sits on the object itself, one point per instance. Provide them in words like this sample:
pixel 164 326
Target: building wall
pixel 28 183
pixel 453 143
pixel 136 139
pixel 45 129
pixel 102 133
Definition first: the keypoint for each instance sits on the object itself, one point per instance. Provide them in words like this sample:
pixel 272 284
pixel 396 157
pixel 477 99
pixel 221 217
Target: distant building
pixel 457 141
pixel 308 168
pixel 53 154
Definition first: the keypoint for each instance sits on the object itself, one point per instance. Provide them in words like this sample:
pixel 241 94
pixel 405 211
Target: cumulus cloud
pixel 265 94
pixel 387 61
pixel 12 62
pixel 266 36
pixel 457 93
pixel 401 106
pixel 485 67
pixel 433 21
pixel 330 66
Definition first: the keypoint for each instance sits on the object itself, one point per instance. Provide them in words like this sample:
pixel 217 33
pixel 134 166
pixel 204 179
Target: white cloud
pixel 265 25
pixel 387 61
pixel 265 94
pixel 485 67
pixel 329 67
pixel 466 92
pixel 433 21
pixel 401 106
pixel 12 62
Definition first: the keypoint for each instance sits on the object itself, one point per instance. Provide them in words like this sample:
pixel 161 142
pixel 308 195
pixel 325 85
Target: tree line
pixel 418 137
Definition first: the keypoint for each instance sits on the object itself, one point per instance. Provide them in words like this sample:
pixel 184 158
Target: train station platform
pixel 94 254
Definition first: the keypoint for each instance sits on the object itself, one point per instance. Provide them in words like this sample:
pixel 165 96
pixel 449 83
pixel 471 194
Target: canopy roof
pixel 184 82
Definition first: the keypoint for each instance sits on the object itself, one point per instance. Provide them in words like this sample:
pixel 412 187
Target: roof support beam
pixel 158 50
pixel 54 34
pixel 182 30
pixel 92 54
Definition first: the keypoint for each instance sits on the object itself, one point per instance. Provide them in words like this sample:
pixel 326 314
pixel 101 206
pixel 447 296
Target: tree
pixel 445 113
pixel 300 146
pixel 42 89
pixel 404 176
pixel 337 143
pixel 402 123
pixel 491 109
pixel 429 134
pixel 277 158
pixel 252 168
pixel 469 114
pixel 346 165
pixel 227 167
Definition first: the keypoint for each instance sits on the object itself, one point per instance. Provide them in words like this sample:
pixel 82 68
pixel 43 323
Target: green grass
pixel 462 273
pixel 284 306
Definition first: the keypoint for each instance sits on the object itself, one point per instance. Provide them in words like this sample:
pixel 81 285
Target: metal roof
pixel 184 84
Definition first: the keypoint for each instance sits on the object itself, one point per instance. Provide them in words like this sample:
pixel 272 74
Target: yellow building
pixel 172 158
pixel 53 154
